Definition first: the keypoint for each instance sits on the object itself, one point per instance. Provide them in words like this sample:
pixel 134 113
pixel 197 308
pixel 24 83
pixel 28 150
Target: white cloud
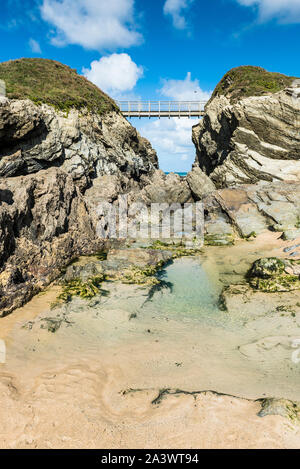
pixel 172 139
pixel 175 8
pixel 286 11
pixel 184 90
pixel 34 46
pixel 93 24
pixel 114 74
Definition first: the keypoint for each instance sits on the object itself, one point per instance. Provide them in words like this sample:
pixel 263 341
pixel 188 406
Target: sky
pixel 158 49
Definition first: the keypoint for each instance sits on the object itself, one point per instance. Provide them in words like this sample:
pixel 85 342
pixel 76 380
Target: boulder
pixel 162 188
pixel 267 268
pixel 274 275
pixel 200 184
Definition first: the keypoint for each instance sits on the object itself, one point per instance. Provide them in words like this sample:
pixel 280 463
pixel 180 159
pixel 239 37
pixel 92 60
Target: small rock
pixel 295 254
pixel 267 267
pixel 282 407
pixel 291 248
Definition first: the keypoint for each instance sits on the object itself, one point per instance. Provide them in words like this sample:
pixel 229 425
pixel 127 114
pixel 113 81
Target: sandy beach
pixel 162 378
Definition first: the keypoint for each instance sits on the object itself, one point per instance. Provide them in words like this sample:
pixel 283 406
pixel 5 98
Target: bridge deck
pixel 162 108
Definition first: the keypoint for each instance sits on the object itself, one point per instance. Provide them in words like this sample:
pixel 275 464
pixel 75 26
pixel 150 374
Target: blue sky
pixel 156 49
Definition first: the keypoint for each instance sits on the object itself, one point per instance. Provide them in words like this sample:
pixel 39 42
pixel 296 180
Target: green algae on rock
pixel 283 407
pixel 135 275
pixel 267 267
pixel 226 239
pixel 274 275
pixel 85 290
pixel 177 249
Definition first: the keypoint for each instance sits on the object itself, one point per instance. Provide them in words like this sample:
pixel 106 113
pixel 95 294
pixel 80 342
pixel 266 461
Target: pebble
pixel 291 248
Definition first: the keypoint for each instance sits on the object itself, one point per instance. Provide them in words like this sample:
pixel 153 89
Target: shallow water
pixel 193 292
pixel 174 338
pixel 93 382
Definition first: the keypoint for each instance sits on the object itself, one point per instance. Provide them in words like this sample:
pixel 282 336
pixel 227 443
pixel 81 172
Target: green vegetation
pixel 50 82
pixel 280 283
pixel 245 81
pixel 101 256
pixel 269 275
pixel 178 249
pixel 250 236
pixel 226 239
pixel 140 275
pixel 268 267
pixel 283 407
pixel 85 290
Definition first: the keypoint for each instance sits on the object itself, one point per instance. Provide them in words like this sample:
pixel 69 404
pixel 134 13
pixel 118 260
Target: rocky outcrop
pixel 83 144
pixel 165 188
pixel 250 138
pixel 44 224
pixel 249 210
pixel 54 169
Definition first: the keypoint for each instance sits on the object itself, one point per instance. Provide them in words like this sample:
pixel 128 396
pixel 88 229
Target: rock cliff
pixel 251 129
pixel 62 146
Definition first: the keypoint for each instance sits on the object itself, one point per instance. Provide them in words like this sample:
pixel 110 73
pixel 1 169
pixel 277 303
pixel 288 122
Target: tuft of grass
pixel 245 81
pixel 53 83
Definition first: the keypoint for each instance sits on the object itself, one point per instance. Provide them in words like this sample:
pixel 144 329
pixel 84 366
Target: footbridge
pixel 162 108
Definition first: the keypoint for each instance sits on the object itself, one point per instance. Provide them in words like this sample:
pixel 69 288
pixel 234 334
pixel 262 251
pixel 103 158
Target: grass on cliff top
pixel 50 82
pixel 245 81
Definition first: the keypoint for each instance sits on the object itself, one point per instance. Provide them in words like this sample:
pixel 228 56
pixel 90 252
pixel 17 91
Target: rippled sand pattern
pixel 129 372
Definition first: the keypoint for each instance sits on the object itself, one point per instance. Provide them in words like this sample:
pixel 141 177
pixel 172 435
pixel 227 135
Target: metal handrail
pixel 162 108
pixel 159 103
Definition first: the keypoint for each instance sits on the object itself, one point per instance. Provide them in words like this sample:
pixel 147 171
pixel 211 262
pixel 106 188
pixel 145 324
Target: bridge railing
pixel 161 107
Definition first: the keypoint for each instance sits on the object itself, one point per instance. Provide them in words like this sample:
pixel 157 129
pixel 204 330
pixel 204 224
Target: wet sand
pixel 94 383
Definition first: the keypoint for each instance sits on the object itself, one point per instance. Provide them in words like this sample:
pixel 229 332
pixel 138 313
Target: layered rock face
pixel 83 144
pixel 54 168
pixel 247 139
pixel 249 210
pixel 44 224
